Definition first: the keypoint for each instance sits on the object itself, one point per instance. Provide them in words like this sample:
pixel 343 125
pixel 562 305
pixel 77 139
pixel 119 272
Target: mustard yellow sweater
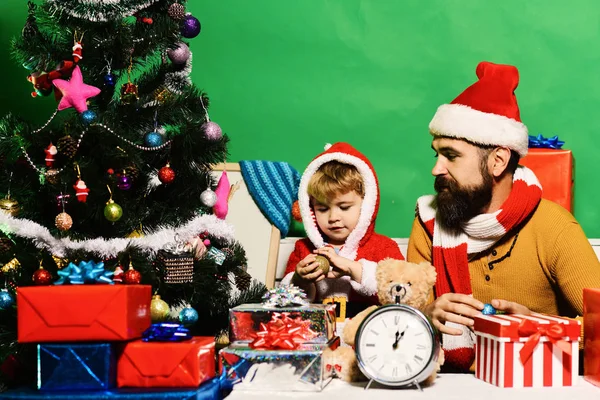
pixel 544 265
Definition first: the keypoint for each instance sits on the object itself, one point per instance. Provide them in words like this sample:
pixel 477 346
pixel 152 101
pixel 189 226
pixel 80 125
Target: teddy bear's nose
pixel 398 292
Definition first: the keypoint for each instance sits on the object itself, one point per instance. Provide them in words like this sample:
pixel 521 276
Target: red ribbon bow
pixel 282 332
pixel 337 367
pixel 554 333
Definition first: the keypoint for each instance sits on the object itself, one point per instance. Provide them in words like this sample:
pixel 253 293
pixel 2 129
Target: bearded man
pixel 488 232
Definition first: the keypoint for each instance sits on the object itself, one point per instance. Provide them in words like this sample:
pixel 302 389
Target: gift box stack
pixel 553 167
pixel 527 351
pixel 96 341
pixel 279 344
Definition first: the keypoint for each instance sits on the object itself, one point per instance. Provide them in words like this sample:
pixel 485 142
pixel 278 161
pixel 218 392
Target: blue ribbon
pixel 166 332
pixel 540 142
pixel 85 272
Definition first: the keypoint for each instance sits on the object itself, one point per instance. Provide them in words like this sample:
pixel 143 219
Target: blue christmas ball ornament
pixel 6 300
pixel 188 316
pixel 88 116
pixel 109 80
pixel 153 139
pixel 488 309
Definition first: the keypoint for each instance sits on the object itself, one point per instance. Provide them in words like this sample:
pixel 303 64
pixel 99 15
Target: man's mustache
pixel 443 183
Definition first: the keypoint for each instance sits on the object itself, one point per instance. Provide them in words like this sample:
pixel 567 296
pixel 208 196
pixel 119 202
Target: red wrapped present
pixel 591 335
pixel 527 351
pixel 554 170
pixel 76 313
pixel 166 364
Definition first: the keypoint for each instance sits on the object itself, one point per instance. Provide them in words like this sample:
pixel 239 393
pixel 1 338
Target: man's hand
pixel 510 307
pixel 453 307
pixel 307 271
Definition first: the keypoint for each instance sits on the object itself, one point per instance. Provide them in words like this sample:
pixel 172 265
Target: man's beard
pixel 456 204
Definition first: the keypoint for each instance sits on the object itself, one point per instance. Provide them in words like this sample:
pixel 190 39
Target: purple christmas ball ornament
pixel 190 27
pixel 180 54
pixel 124 182
pixel 212 130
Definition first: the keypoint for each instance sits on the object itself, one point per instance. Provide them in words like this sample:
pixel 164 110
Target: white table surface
pixel 446 387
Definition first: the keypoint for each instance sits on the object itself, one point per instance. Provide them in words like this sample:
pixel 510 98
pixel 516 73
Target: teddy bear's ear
pixel 430 272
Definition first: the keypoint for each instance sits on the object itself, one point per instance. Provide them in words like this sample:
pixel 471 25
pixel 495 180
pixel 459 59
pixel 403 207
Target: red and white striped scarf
pixel 451 250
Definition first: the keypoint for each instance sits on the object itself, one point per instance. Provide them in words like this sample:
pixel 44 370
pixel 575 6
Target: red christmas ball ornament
pixel 110 171
pixel 42 277
pixel 166 174
pixel 132 276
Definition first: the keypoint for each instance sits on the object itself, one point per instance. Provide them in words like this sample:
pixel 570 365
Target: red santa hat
pixel 486 112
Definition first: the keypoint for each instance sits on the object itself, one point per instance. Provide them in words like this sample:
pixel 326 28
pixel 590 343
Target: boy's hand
pixel 341 265
pixel 308 269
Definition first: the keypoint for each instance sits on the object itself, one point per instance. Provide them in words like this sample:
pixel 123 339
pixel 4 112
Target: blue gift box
pixel 81 366
pixel 214 389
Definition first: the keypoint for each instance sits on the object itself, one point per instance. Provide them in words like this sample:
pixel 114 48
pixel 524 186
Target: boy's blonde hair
pixel 333 178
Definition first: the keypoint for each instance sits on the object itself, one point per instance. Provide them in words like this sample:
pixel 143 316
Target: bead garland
pixel 137 146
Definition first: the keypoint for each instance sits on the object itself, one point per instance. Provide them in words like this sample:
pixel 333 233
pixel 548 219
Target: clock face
pixel 396 345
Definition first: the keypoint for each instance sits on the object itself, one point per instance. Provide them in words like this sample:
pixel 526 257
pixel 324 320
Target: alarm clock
pixel 396 345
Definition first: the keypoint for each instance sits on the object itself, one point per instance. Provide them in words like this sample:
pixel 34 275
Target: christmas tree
pixel 120 174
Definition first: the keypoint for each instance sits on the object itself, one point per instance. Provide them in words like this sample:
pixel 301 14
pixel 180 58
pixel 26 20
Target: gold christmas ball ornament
pixel 63 221
pixel 10 206
pixel 323 264
pixel 112 211
pixel 159 309
pixel 138 233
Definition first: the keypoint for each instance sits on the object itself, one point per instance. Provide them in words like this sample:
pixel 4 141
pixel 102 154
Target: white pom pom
pixel 327 146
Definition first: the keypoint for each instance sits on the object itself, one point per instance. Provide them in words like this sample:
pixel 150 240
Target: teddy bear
pixel 416 282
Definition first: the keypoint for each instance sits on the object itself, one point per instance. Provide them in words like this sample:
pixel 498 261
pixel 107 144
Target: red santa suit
pixel 362 245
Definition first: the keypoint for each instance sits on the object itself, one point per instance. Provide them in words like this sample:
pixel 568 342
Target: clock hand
pixel 398 337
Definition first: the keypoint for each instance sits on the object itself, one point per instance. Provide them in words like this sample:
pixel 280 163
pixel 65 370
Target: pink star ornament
pixel 74 92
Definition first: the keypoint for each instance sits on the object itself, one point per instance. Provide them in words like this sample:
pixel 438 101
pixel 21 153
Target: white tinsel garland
pixel 100 10
pixel 177 81
pixel 106 248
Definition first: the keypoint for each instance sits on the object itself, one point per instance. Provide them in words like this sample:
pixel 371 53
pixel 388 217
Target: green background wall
pixel 287 76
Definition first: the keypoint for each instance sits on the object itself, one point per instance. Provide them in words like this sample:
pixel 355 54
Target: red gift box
pixel 527 351
pixel 554 170
pixel 591 335
pixel 166 364
pixel 82 313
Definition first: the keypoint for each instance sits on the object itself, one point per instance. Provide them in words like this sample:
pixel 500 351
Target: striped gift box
pixel 527 351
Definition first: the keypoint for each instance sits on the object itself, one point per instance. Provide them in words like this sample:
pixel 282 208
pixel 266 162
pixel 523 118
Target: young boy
pixel 339 200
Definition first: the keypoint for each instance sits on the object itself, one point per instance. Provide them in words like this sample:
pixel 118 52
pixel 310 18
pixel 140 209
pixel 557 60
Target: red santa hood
pixel 344 153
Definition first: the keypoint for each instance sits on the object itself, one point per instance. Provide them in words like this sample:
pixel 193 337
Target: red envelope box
pixel 554 170
pixel 80 313
pixel 166 364
pixel 527 350
pixel 591 335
